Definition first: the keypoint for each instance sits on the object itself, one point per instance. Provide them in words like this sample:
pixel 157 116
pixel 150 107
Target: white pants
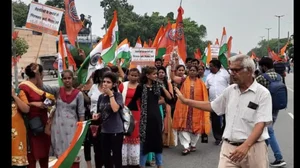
pixel 186 138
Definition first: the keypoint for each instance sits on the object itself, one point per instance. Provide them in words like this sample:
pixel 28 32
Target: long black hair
pixel 146 71
pixel 165 80
pixel 29 70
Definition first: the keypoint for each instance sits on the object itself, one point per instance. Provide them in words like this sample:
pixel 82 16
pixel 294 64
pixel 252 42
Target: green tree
pixel 132 25
pixel 20 11
pixel 262 48
pixel 21 46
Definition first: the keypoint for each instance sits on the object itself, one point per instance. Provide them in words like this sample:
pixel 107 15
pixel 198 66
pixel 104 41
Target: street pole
pixel 262 37
pixel 278 29
pixel 91 36
pixel 14 52
pixel 268 34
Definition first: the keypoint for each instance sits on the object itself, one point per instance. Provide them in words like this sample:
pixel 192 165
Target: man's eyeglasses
pixel 235 70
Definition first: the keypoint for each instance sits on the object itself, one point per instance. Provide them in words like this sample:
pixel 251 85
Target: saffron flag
pixel 73 23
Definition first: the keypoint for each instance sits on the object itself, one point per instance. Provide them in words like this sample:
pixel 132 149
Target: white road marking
pixel 291 115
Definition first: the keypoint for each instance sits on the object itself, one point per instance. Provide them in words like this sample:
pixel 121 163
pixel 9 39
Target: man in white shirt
pixel 216 82
pixel 248 109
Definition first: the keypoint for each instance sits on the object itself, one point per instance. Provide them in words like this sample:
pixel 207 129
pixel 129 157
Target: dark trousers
pixel 217 125
pixel 18 166
pixel 112 148
pixel 87 147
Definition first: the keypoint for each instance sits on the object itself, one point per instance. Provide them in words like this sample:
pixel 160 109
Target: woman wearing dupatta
pixel 18 132
pixel 149 92
pixel 39 144
pixel 168 137
pixel 69 110
pixel 190 122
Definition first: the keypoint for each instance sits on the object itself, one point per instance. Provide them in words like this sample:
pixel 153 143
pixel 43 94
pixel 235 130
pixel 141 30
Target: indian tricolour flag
pixel 122 51
pixel 62 53
pixel 69 156
pixel 223 49
pixel 104 50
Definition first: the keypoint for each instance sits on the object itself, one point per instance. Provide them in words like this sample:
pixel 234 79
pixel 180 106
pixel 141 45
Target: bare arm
pixel 121 72
pixel 202 105
pixel 255 134
pixel 114 105
pixel 175 79
pixel 167 93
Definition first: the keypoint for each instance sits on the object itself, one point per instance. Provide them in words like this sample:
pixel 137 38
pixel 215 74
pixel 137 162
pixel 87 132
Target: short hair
pixel 216 63
pixel 193 60
pixel 245 60
pixel 134 70
pixel 188 59
pixel 266 61
pixel 158 59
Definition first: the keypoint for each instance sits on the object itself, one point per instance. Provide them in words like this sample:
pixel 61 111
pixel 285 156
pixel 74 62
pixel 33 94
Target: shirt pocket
pixel 248 115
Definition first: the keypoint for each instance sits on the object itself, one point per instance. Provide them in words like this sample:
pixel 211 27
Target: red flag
pixel 197 54
pixel 73 23
pixel 70 59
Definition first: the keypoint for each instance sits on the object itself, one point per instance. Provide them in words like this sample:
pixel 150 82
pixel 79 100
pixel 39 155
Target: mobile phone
pixel 47 102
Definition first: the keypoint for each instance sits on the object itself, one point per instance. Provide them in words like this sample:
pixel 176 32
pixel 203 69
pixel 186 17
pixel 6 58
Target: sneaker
pixel 278 163
pixel 218 142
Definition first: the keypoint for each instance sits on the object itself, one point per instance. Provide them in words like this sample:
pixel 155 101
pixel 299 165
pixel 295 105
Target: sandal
pixel 193 149
pixel 185 152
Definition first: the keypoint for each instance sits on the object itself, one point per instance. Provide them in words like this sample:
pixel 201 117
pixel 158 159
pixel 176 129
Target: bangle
pixel 111 96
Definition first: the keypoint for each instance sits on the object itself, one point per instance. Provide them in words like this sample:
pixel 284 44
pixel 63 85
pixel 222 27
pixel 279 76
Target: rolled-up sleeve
pixel 219 104
pixel 119 99
pixel 80 105
pixel 264 110
pixel 51 89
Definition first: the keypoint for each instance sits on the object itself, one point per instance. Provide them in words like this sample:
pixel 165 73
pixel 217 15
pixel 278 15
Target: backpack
pixel 126 114
pixel 279 67
pixel 278 92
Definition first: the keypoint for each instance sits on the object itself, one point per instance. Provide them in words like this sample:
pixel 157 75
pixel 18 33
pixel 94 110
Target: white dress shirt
pixel 240 118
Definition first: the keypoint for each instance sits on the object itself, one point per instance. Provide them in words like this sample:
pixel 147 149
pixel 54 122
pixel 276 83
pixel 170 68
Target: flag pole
pixel 180 2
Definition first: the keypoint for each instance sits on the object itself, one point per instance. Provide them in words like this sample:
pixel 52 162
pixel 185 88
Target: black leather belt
pixel 233 143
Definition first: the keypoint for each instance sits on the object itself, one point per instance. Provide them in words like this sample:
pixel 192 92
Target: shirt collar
pixel 252 87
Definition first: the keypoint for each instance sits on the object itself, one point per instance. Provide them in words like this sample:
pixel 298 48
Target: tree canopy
pixel 262 48
pixel 20 11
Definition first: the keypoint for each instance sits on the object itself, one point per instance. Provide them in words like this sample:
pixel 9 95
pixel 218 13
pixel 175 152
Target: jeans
pixel 272 140
pixel 143 158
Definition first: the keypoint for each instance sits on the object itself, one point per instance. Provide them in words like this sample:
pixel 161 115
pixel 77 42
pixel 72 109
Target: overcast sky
pixel 244 20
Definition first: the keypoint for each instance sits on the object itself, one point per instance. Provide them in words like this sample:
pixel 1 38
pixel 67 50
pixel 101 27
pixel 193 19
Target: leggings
pixel 111 143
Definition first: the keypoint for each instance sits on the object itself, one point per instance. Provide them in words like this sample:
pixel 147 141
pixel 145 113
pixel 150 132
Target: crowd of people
pixel 184 106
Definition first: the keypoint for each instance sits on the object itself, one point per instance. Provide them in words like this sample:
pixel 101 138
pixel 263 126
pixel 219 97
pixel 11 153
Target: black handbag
pixel 36 125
